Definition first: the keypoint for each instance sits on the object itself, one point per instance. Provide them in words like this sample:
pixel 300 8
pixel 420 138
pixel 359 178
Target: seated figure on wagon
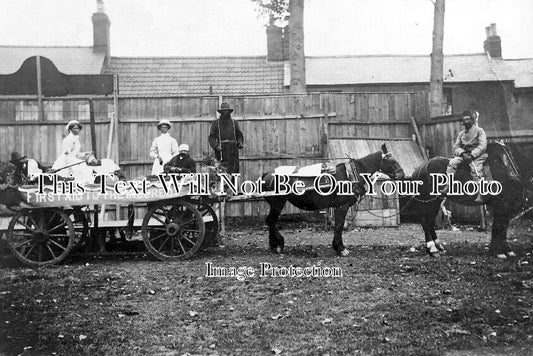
pixel 182 162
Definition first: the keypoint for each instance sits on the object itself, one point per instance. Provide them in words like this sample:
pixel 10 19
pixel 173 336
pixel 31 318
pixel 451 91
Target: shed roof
pixel 171 76
pixel 68 60
pixel 381 69
pixel 406 152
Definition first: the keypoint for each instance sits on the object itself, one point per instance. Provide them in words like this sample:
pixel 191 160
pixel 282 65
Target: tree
pixel 278 12
pixel 436 105
pixel 296 46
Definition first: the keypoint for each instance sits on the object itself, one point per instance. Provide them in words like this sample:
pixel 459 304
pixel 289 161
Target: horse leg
pixel 275 239
pixel 498 244
pixel 434 236
pixel 428 225
pixel 340 216
pixel 437 242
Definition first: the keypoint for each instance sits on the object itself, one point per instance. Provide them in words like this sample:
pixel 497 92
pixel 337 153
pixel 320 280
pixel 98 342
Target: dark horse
pixel 504 206
pixel 312 200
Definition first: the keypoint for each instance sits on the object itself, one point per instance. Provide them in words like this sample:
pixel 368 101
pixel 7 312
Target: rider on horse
pixel 470 147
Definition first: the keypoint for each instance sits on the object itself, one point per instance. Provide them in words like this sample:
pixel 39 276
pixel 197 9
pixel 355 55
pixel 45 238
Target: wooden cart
pixel 173 228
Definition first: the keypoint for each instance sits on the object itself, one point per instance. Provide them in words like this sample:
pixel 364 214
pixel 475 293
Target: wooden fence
pixel 278 129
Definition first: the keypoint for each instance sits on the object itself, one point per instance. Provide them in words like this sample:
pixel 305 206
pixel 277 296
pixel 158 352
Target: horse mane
pixel 369 163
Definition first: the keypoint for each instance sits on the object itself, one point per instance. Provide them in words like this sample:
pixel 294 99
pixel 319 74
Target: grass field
pixel 391 299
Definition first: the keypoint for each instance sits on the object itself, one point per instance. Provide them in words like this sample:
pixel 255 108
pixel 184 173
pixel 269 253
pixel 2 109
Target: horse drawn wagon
pixel 51 224
pixel 55 217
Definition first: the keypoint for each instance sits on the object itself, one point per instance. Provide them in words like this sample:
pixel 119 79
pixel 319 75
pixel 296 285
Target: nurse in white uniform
pixel 163 148
pixel 71 153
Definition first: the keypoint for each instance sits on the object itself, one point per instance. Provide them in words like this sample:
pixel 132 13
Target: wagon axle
pixel 172 229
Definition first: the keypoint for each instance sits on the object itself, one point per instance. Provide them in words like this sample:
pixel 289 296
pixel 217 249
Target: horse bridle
pixel 385 157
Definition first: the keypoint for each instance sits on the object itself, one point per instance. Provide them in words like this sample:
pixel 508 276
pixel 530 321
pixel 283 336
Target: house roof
pixel 380 69
pixel 171 76
pixel 521 70
pixel 68 60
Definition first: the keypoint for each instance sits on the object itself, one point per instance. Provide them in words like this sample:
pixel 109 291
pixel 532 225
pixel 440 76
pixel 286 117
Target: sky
pixel 232 27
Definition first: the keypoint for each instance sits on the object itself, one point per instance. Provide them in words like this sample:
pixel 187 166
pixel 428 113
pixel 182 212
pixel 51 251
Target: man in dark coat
pixel 226 139
pixel 182 162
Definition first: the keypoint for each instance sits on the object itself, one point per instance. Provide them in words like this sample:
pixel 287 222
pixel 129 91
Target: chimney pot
pixel 274 43
pixel 101 24
pixel 493 29
pixel 493 43
pixel 487 31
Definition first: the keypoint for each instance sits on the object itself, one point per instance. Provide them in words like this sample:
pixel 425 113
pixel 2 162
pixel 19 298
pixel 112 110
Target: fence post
pixel 93 127
pixel 419 139
pixel 40 114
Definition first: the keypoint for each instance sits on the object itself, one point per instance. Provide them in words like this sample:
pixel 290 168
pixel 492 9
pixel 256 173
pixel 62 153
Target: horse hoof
pixel 432 253
pixel 344 252
pixel 501 256
pixel 511 254
pixel 278 250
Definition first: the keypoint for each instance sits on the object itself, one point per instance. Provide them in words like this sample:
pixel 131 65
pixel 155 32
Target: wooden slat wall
pixel 21 131
pixel 279 129
pixel 374 115
pixel 440 137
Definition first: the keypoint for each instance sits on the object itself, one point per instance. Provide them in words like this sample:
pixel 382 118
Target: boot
pixel 479 197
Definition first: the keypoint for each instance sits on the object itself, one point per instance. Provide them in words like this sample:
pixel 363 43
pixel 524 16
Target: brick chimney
pixel 274 43
pixel 493 43
pixel 101 25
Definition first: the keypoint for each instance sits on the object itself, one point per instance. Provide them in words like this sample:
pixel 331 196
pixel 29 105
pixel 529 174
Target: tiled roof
pixel 520 70
pixel 68 60
pixel 162 76
pixel 173 76
pixel 407 69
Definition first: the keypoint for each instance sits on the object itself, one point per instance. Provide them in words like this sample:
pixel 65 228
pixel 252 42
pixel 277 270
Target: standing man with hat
pixel 226 139
pixel 163 148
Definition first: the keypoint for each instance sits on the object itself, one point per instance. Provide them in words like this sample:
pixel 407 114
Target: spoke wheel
pixel 40 237
pixel 173 231
pixel 81 226
pixel 211 224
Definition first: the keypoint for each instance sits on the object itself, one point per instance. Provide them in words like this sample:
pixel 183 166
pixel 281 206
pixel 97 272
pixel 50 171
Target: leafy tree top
pixel 276 12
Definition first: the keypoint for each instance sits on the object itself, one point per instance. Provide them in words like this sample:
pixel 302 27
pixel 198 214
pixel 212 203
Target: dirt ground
pixel 391 298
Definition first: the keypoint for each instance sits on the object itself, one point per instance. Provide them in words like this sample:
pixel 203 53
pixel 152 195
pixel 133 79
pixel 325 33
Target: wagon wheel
pixel 211 224
pixel 81 226
pixel 40 237
pixel 173 230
